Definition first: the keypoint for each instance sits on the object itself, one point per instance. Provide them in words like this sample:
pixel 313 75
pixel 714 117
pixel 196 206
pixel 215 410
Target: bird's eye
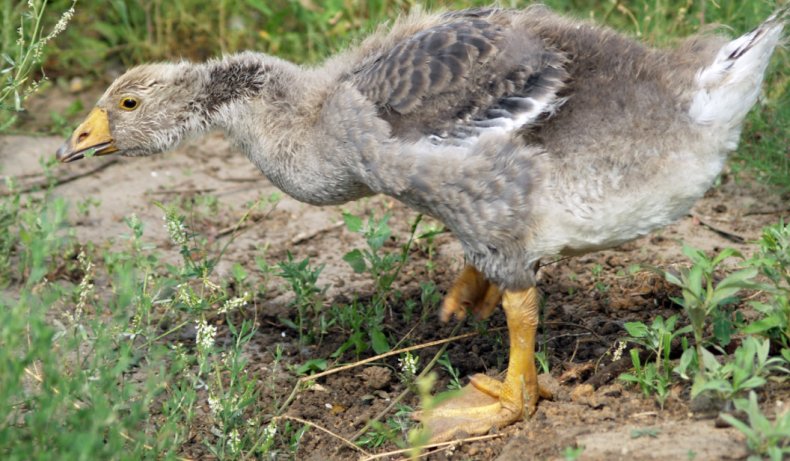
pixel 128 103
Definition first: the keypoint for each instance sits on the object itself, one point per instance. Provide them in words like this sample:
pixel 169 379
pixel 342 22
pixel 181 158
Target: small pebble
pixel 76 85
pixel 582 393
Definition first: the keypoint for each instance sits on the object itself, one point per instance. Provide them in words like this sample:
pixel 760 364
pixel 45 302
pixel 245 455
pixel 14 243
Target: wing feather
pixel 469 74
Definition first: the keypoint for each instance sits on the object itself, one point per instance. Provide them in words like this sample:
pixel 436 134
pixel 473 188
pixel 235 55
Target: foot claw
pixel 493 387
pixel 470 292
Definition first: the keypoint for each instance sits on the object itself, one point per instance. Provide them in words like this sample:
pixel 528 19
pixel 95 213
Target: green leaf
pixel 636 329
pixel 762 307
pixel 356 260
pixel 718 385
pixel 709 360
pixel 670 322
pixel 673 279
pixel 312 365
pixel 753 382
pixel 694 254
pixel 694 284
pixel 725 253
pixel 686 360
pixel 287 322
pixel 380 232
pixel 379 341
pixel 722 294
pixel 628 377
pixel 722 329
pixel 353 223
pixel 356 340
pixel 763 349
pixel 260 6
pixel 739 278
pixel 635 359
pixel 431 233
pixel 737 424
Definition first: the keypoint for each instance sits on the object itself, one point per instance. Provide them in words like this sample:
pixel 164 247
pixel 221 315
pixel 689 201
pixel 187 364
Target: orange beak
pixel 92 134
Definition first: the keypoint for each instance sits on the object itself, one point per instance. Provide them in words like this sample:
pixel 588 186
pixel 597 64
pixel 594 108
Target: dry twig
pixel 60 181
pixel 434 445
pixel 723 233
pixel 305 236
pixel 324 430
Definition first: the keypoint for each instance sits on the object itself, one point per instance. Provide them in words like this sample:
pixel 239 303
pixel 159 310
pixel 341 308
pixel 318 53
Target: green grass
pixel 307 31
pixel 25 34
pixel 93 360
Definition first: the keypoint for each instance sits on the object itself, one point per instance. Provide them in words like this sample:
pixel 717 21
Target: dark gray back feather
pixel 460 77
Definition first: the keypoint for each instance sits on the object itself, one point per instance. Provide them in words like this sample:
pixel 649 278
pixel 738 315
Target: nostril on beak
pixel 81 137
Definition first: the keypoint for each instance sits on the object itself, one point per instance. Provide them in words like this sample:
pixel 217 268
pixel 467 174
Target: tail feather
pixel 729 86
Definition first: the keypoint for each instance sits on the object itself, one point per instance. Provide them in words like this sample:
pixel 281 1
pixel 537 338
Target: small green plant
pixel 703 298
pixel 311 323
pixel 543 361
pixel 430 298
pixel 764 438
pixel 394 430
pixel 84 206
pixel 773 262
pixel 426 239
pixel 572 453
pixel 352 320
pixel 22 55
pixel 231 394
pixel 645 432
pixel 409 365
pixel 9 217
pixel 383 266
pixel 657 338
pixel 653 378
pixel 418 437
pixel 597 273
pixel 749 369
pixel 455 379
pixel 311 366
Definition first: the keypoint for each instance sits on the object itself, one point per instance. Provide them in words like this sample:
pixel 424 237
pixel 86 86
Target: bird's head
pixel 147 110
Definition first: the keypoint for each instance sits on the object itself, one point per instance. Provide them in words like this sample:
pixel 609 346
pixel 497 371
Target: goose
pixel 527 133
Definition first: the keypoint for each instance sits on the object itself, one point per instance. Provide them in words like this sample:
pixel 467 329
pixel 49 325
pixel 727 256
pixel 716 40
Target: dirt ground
pixel 587 300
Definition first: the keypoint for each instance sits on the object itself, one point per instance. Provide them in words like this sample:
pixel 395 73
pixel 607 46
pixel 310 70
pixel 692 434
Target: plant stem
pixel 700 363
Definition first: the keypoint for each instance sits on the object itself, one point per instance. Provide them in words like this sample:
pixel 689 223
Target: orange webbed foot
pixel 487 403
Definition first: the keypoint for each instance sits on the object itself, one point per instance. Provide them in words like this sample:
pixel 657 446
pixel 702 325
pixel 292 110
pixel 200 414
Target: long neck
pixel 225 85
pixel 276 113
pixel 312 135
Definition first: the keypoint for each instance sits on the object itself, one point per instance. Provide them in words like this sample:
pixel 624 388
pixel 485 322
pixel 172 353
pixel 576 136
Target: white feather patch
pixel 729 87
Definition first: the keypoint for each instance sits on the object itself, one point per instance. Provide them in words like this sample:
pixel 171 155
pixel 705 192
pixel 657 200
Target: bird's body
pixel 527 134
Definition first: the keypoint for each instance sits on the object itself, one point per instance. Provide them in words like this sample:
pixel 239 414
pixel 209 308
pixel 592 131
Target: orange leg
pixel 486 403
pixel 470 292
